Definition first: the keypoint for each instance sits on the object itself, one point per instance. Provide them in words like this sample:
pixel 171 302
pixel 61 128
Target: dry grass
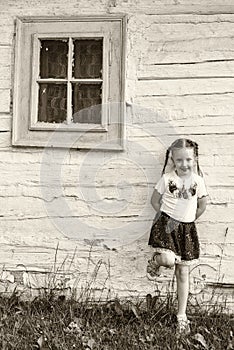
pixel 55 322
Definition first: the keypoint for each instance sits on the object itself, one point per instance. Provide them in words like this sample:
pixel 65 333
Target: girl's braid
pixel 195 147
pixel 196 154
pixel 166 160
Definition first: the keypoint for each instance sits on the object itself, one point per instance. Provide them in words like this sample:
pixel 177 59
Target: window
pixel 69 77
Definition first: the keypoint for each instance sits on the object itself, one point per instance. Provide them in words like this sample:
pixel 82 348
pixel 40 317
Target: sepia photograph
pixel 117 175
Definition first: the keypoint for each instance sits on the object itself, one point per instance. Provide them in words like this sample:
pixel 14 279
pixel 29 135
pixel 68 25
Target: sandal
pixel 183 326
pixel 153 269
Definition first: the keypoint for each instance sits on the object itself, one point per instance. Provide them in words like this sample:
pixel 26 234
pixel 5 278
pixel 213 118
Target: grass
pixel 54 322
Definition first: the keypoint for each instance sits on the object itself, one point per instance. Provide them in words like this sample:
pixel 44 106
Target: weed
pixel 56 322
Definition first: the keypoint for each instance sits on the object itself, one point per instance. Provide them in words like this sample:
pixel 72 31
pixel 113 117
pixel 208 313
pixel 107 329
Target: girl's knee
pixel 166 259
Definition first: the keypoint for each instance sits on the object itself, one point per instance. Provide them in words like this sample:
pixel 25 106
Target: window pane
pixel 87 59
pixel 86 102
pixel 53 59
pixel 52 103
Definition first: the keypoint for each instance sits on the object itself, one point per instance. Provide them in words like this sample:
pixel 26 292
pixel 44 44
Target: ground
pixel 53 322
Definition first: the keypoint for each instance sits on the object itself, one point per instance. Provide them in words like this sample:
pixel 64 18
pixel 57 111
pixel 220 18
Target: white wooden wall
pixel 179 82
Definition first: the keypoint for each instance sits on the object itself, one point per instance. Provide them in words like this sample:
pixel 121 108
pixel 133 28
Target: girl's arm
pixel 201 206
pixel 156 200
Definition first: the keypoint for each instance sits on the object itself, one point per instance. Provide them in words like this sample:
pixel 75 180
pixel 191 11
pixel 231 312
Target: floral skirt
pixel 179 237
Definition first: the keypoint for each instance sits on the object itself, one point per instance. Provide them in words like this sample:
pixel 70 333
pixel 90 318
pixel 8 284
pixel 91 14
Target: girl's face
pixel 183 159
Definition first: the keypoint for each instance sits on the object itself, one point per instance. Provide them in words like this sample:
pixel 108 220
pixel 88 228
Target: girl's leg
pixel 182 279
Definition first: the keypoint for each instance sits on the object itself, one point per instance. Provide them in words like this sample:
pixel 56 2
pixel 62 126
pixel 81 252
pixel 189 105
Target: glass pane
pixel 52 106
pixel 53 59
pixel 86 102
pixel 87 59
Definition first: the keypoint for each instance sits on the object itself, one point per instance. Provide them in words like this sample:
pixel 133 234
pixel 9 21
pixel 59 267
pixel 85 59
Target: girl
pixel 179 199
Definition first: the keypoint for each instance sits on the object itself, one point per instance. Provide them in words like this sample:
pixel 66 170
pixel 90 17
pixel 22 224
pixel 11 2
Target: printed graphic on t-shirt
pixel 183 192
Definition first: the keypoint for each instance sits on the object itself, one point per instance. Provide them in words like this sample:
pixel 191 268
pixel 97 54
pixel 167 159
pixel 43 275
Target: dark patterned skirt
pixel 179 237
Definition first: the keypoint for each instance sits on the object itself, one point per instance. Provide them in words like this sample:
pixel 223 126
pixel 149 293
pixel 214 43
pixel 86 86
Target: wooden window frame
pixel 27 131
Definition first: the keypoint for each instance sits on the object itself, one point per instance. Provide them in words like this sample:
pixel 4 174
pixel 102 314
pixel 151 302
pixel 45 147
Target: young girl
pixel 179 199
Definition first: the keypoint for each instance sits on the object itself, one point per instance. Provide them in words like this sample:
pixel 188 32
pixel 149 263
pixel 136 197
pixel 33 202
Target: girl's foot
pixel 183 325
pixel 153 268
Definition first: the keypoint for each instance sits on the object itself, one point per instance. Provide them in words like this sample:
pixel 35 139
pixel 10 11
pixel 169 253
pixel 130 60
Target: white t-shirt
pixel 179 196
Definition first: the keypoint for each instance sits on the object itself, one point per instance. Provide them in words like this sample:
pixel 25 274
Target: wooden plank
pixel 157 54
pixel 33 206
pixel 221 195
pixel 217 195
pixel 5 55
pixel 228 248
pixel 187 41
pixel 217 144
pixel 143 121
pixel 122 6
pixel 185 29
pixel 223 160
pixel 153 128
pixel 5 122
pixel 5 74
pixel 169 7
pixel 214 232
pixel 15 174
pixel 15 190
pixel 44 256
pixel 187 106
pixel 5 100
pixel 51 156
pixel 194 128
pixel 219 176
pixel 56 9
pixel 187 46
pixel 219 213
pixel 190 19
pixel 181 87
pixel 223 69
pixel 157 112
pixel 6 27
pixel 5 139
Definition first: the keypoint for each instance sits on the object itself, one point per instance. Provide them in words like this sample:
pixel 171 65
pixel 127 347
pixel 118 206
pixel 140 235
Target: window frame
pixel 27 131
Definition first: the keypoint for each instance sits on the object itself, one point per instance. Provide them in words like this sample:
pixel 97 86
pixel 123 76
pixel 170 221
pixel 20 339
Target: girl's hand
pixel 156 200
pixel 201 206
